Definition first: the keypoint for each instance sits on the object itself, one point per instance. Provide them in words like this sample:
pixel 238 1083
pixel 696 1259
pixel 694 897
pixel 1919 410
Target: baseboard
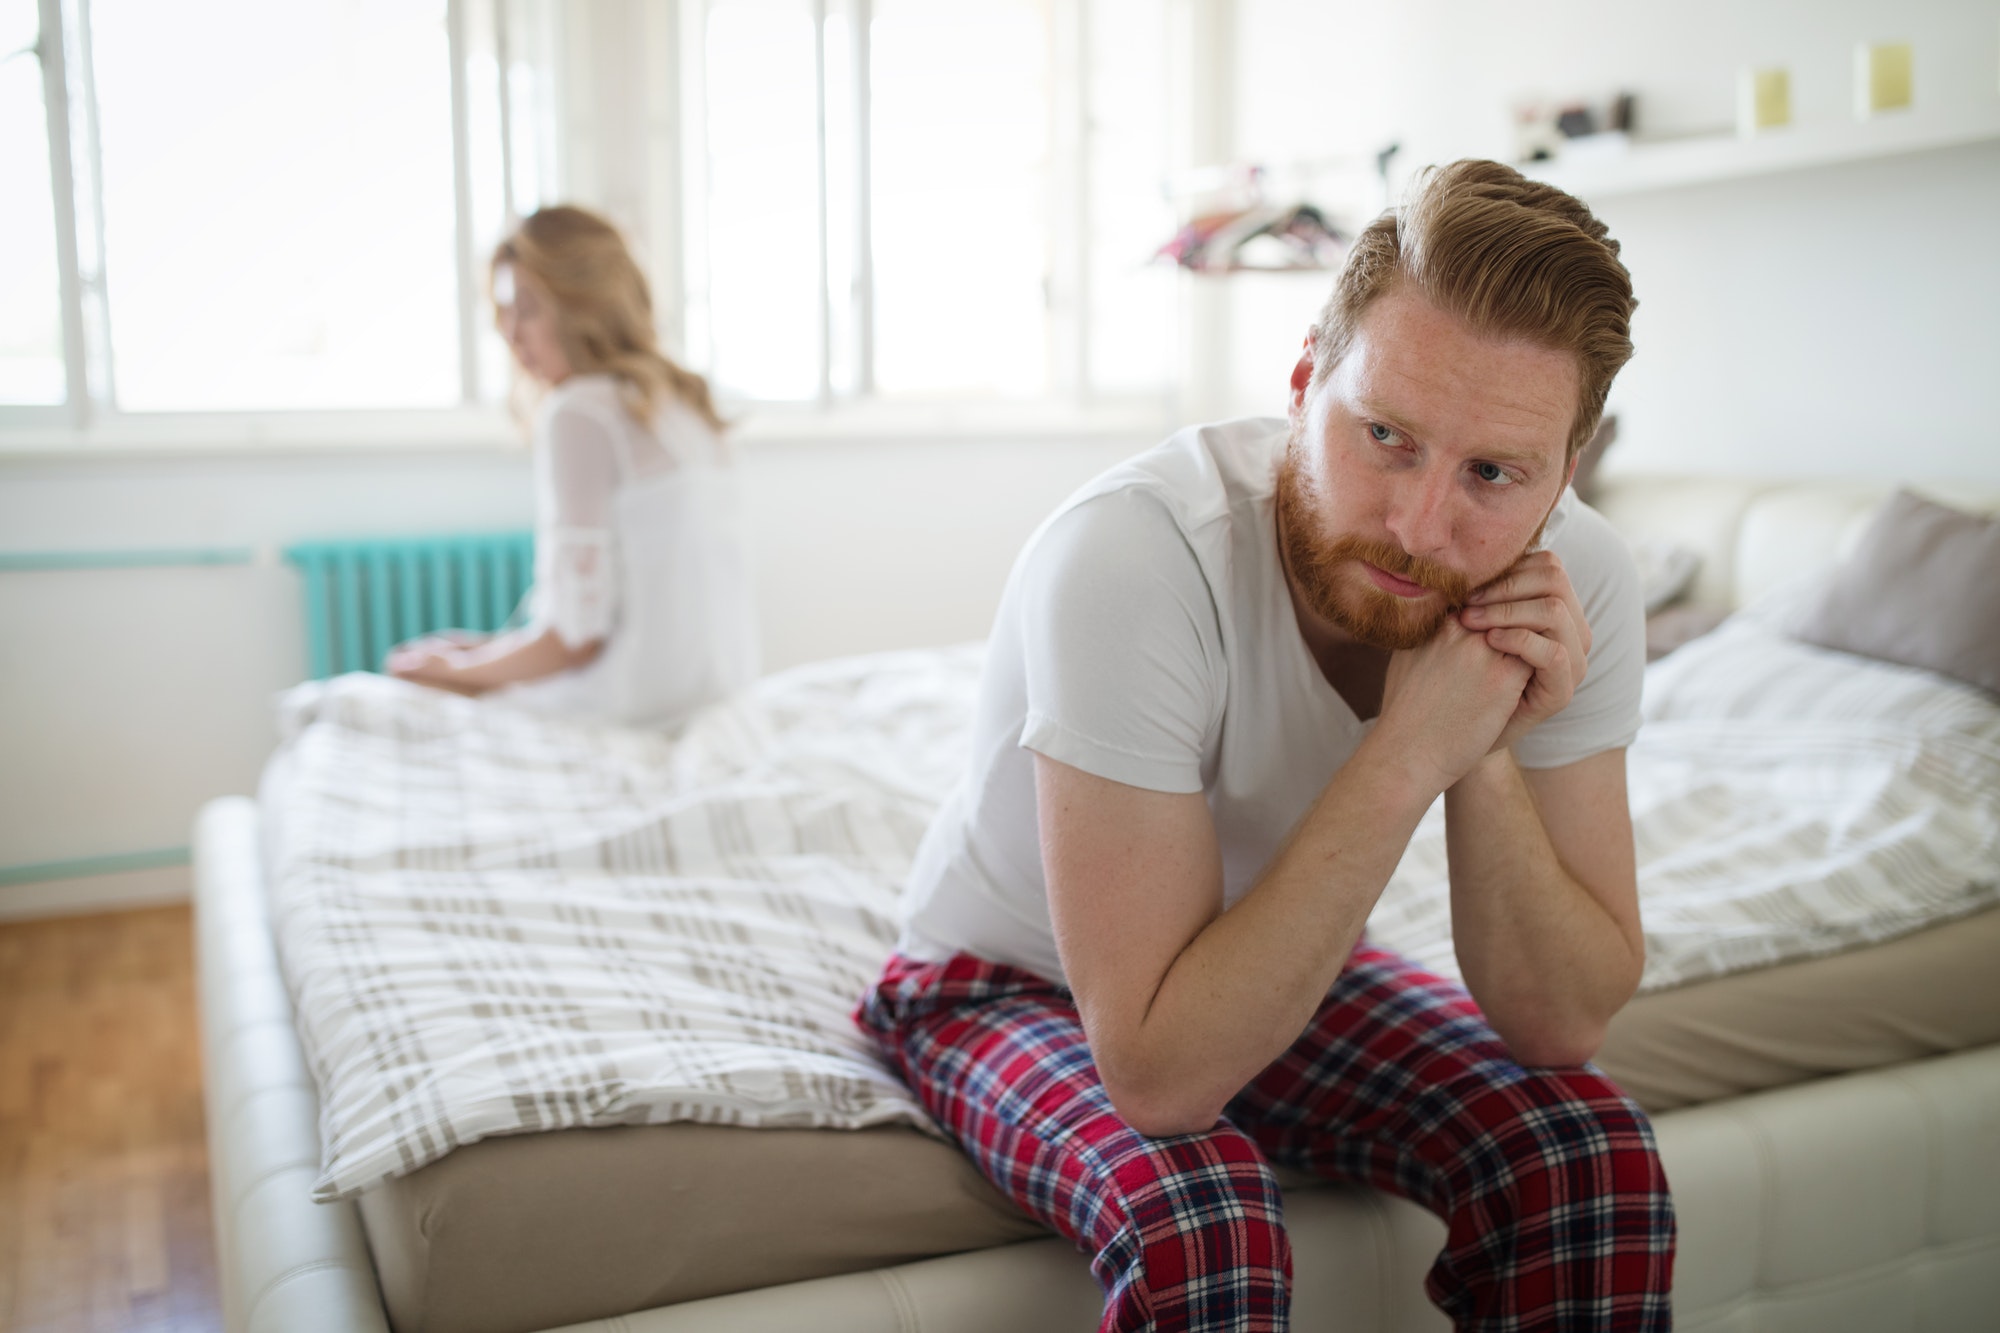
pixel 96 893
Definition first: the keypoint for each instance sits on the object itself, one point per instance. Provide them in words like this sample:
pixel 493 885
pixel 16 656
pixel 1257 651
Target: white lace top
pixel 638 542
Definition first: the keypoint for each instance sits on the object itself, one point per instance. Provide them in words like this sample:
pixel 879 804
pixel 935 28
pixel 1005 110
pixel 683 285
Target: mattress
pixel 535 1231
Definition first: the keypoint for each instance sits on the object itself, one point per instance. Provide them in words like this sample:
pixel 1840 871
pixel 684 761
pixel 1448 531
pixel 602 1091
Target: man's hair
pixel 1513 258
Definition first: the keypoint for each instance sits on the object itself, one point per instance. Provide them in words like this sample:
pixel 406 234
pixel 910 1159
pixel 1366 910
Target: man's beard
pixel 1323 570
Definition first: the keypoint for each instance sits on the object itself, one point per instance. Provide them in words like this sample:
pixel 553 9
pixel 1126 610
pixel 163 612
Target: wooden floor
pixel 104 1220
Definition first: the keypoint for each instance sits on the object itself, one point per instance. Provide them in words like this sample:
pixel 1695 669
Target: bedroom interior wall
pixel 130 696
pixel 1840 320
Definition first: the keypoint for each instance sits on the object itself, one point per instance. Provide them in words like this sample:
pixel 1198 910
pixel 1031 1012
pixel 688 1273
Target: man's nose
pixel 1420 517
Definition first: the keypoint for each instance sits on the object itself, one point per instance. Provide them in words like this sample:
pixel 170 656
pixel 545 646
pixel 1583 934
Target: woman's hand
pixel 437 660
pixel 474 665
pixel 438 670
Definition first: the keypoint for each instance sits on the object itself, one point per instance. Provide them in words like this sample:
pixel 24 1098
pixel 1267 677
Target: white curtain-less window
pixel 930 199
pixel 31 349
pixel 961 139
pixel 279 212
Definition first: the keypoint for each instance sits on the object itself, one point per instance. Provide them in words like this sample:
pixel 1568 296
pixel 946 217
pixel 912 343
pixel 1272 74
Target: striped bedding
pixel 493 922
pixel 1787 802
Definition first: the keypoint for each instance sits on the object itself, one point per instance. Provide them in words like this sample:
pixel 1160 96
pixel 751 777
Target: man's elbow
pixel 1158 1110
pixel 1555 1049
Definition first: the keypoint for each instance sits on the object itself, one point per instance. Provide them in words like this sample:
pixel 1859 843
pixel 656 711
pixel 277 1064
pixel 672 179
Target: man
pixel 1226 680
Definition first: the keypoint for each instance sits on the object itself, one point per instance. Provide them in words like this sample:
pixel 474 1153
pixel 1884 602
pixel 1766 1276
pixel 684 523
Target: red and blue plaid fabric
pixel 1548 1180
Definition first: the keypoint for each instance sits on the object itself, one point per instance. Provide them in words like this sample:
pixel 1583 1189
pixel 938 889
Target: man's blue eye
pixel 1492 473
pixel 1380 433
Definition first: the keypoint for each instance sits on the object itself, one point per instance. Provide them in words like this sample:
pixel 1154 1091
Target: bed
pixel 514 1027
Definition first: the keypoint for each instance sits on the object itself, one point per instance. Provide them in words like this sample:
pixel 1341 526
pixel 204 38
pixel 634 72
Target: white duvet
pixel 493 922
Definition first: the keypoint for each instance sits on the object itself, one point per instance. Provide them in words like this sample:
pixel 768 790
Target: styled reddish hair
pixel 1512 257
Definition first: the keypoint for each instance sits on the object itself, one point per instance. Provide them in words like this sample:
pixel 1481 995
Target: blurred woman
pixel 641 608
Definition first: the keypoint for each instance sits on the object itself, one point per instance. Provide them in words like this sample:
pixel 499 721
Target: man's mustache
pixel 1453 586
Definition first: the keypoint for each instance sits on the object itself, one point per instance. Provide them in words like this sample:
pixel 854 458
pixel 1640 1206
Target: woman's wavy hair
pixel 1511 257
pixel 604 307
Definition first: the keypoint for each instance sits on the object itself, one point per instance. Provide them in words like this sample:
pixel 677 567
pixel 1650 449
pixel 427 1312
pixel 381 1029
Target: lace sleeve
pixel 576 576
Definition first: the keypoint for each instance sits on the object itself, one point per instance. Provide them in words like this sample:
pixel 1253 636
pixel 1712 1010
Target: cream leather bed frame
pixel 1864 1202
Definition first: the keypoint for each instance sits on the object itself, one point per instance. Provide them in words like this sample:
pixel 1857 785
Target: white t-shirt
pixel 638 542
pixel 1147 635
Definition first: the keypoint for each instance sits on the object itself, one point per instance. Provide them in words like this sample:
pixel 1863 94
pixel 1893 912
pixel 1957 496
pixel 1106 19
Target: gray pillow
pixel 1922 589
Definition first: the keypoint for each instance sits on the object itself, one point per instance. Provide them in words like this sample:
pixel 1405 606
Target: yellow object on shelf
pixel 1763 100
pixel 1883 77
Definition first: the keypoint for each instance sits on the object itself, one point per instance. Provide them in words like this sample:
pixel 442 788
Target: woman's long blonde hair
pixel 604 307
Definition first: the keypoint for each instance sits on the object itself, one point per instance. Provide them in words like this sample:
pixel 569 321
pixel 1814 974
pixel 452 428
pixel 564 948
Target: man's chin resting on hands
pixel 1225 682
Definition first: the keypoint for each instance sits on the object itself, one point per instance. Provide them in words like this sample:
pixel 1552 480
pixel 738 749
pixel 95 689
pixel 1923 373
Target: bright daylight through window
pixel 259 252
pixel 961 207
pixel 231 206
pixel 31 350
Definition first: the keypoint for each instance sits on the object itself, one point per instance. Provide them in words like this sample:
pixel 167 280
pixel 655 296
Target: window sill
pixel 209 436
pixel 890 422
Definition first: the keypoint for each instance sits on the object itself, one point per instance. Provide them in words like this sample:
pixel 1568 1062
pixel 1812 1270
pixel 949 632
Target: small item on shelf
pixel 1763 99
pixel 1544 131
pixel 1884 78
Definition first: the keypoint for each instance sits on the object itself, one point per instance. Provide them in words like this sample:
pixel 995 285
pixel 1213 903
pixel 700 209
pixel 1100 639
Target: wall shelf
pixel 1719 157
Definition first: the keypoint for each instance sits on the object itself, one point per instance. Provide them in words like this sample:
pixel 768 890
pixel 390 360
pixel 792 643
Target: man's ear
pixel 1302 373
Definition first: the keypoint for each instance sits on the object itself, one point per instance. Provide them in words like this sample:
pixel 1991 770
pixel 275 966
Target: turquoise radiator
pixel 364 597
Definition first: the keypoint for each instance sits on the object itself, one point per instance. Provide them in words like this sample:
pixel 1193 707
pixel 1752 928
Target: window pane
pixel 278 201
pixel 763 220
pixel 960 112
pixel 1132 301
pixel 31 364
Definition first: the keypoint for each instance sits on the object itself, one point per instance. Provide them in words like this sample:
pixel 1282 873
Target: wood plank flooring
pixel 104 1212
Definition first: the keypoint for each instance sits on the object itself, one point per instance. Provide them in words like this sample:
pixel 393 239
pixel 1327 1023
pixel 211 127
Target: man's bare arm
pixel 1544 901
pixel 1183 1003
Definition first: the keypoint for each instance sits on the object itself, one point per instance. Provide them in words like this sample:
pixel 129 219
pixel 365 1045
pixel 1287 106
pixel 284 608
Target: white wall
pixel 1842 320
pixel 129 697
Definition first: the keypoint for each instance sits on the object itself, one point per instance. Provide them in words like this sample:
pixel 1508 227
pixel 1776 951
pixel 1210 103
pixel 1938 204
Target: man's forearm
pixel 1250 981
pixel 1542 953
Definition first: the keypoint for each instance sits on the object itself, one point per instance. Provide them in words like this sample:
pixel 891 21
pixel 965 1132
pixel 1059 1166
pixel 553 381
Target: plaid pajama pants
pixel 1557 1208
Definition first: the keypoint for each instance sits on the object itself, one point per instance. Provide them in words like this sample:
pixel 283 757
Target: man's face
pixel 1423 467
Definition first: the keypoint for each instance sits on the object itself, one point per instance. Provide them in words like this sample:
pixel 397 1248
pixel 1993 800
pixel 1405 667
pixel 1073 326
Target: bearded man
pixel 1226 680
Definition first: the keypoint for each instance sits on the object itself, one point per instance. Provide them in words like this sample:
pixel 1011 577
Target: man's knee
pixel 1194 1208
pixel 1195 1234
pixel 1560 1138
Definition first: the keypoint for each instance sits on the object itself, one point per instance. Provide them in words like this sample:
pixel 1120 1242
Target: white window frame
pixel 625 104
pixel 90 422
pixel 1071 402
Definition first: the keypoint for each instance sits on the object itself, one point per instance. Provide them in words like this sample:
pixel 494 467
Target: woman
pixel 641 605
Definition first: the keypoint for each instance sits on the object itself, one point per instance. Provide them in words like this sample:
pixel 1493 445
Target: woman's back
pixel 639 542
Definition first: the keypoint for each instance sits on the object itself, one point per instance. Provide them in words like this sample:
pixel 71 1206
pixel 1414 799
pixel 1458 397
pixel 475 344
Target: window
pixel 31 326
pixel 237 206
pixel 244 209
pixel 928 199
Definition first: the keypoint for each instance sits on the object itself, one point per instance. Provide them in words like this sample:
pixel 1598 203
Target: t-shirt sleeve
pixel 1604 714
pixel 576 585
pixel 1122 650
